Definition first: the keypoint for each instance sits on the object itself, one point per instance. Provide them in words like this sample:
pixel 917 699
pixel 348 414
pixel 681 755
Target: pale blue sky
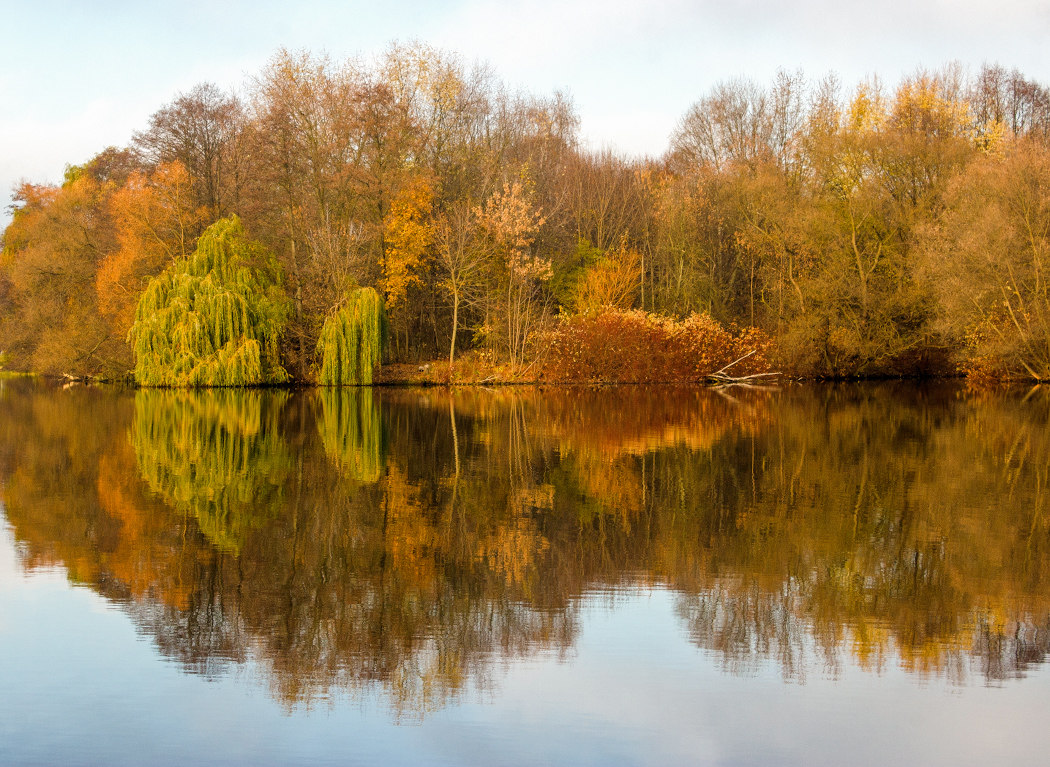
pixel 78 76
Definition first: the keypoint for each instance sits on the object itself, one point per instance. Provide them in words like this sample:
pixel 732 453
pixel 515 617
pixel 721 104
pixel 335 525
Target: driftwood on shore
pixel 69 380
pixel 722 378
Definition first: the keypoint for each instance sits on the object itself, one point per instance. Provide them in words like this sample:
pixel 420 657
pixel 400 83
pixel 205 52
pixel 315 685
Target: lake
pixel 817 574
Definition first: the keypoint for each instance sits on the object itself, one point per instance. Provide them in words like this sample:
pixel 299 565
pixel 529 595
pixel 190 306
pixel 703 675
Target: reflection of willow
pixel 215 454
pixel 813 528
pixel 346 588
pixel 352 431
pixel 609 442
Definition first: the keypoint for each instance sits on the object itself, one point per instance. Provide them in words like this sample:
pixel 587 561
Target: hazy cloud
pixel 80 76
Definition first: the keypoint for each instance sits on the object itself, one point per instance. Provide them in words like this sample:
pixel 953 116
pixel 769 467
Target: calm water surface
pixel 817 575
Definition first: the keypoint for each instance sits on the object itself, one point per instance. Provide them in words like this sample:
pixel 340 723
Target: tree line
pixel 867 230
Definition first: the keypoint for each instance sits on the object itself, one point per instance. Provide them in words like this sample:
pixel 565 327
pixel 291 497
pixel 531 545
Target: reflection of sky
pixel 79 686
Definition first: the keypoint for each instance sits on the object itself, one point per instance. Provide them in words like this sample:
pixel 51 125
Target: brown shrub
pixel 615 346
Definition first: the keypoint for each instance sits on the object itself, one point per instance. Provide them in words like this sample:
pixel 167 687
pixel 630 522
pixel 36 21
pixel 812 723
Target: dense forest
pixel 854 229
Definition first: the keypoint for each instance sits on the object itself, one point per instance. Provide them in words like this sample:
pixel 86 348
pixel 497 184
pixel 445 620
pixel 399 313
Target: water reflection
pixel 411 540
pixel 352 432
pixel 215 454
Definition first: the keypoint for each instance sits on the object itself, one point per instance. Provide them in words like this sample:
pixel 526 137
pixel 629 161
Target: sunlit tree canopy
pixel 213 318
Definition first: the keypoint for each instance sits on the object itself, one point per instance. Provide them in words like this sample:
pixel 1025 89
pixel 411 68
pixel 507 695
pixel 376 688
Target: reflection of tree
pixel 881 527
pixel 343 587
pixel 812 528
pixel 863 522
pixel 215 454
pixel 352 431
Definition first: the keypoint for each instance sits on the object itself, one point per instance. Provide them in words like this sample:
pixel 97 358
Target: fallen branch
pixel 721 387
pixel 739 359
pixel 721 377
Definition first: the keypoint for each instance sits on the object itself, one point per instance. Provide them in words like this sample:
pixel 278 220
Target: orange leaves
pixel 409 233
pixel 638 347
pixel 613 282
pixel 158 211
pixel 54 228
pixel 51 251
pixel 156 222
pixel 510 223
pixel 507 225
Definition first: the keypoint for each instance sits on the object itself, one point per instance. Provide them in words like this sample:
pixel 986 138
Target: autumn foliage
pixel 156 222
pixel 871 230
pixel 614 346
pixel 213 318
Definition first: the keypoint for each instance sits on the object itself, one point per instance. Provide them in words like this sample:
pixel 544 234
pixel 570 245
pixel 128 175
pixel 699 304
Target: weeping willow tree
pixel 213 318
pixel 352 433
pixel 352 340
pixel 215 455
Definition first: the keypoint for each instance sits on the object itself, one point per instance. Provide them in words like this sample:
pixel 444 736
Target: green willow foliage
pixel 217 456
pixel 352 433
pixel 352 340
pixel 213 319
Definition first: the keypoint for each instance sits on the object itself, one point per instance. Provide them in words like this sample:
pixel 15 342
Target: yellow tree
pixel 988 257
pixel 613 281
pixel 409 235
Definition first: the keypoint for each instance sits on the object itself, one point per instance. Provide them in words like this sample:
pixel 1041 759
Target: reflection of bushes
pixel 638 420
pixel 874 523
pixel 812 528
pixel 352 432
pixel 862 523
pixel 214 454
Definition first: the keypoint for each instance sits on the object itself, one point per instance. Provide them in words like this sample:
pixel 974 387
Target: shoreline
pixel 399 376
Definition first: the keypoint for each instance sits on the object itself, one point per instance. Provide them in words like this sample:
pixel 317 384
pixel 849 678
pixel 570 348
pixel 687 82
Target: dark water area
pixel 818 574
